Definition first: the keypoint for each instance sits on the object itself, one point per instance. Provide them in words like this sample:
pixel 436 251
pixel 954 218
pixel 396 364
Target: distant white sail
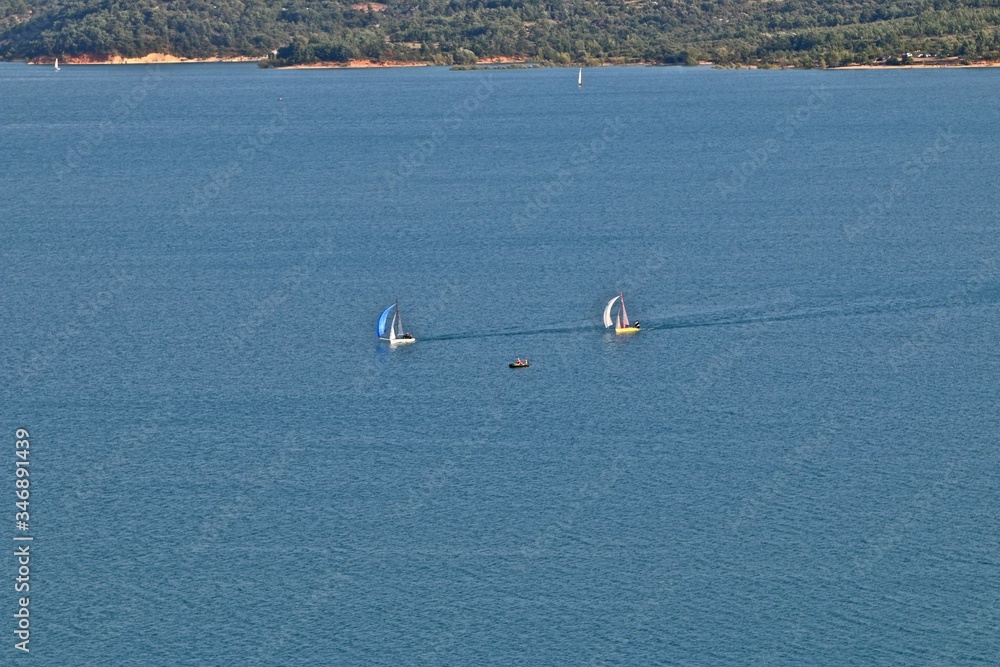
pixel 579 78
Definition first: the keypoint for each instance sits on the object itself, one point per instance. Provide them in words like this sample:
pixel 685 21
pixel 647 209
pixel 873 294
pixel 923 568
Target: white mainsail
pixel 57 64
pixel 397 319
pixel 579 78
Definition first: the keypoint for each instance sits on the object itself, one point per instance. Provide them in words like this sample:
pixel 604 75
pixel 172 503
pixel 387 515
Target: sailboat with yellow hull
pixel 620 322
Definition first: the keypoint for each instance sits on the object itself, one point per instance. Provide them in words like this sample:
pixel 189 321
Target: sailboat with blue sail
pixel 392 332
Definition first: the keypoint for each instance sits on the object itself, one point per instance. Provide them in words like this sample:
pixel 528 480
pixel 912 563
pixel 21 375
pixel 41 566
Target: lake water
pixel 795 462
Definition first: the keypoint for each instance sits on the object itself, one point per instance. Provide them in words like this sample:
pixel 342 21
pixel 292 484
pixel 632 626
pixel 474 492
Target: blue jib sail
pixel 381 321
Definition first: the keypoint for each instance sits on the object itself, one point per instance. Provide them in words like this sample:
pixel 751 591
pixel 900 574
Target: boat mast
pixel 399 318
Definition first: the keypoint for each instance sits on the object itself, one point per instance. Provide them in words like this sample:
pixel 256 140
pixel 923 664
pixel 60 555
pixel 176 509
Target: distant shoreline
pixel 365 63
pixel 166 58
pixel 939 63
pixel 988 63
pixel 360 64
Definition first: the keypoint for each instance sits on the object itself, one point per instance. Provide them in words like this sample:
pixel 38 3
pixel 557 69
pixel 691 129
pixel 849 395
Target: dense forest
pixel 805 33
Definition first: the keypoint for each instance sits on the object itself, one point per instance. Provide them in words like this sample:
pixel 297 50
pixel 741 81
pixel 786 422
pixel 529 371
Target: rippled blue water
pixel 795 462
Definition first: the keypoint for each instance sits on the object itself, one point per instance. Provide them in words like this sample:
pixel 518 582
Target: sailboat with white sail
pixel 393 334
pixel 57 64
pixel 620 322
pixel 579 78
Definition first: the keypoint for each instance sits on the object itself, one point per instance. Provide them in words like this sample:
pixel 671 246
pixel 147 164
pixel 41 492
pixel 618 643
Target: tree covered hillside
pixel 812 33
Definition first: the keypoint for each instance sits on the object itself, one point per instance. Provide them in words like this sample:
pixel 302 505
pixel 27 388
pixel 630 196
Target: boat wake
pixel 746 316
pixel 806 312
pixel 506 334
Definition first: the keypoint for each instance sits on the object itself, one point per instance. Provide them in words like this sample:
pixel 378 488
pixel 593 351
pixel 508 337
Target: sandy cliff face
pixel 151 58
pixel 359 63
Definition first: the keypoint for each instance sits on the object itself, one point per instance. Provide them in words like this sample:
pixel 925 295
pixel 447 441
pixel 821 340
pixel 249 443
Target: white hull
pixel 398 341
pixel 402 341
